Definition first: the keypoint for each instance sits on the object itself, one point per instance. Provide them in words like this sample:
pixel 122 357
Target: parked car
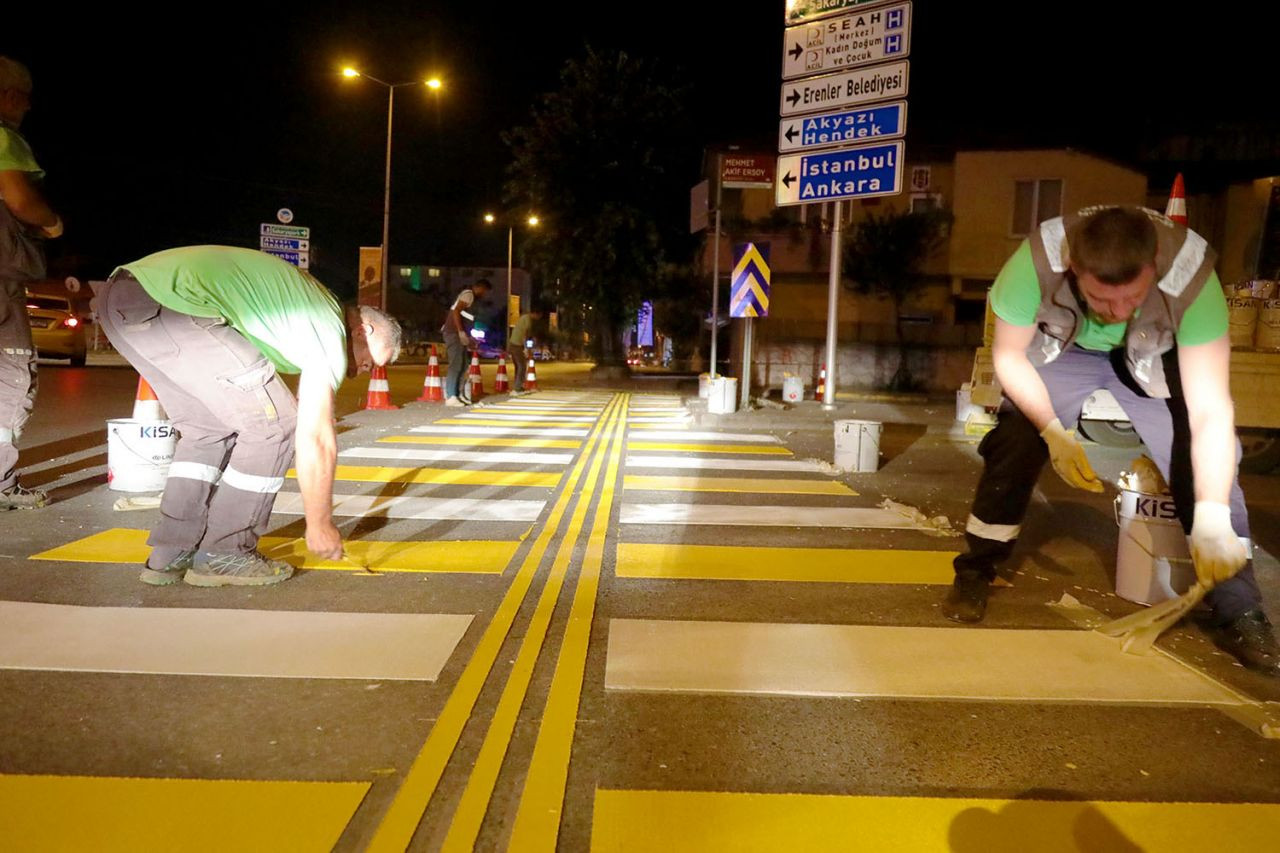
pixel 55 329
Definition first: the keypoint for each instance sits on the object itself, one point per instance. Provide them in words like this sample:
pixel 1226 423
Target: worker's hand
pixel 54 230
pixel 1069 459
pixel 1216 550
pixel 324 541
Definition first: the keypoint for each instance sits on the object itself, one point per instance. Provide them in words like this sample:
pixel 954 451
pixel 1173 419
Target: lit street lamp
pixel 434 85
pixel 532 222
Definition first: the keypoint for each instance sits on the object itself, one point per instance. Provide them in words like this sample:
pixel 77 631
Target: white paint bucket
pixel 704 385
pixel 792 389
pixel 1152 560
pixel 858 445
pixel 138 454
pixel 723 396
pixel 964 403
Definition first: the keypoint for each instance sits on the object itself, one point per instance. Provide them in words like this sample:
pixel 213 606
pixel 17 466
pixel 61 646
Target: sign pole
pixel 715 265
pixel 386 199
pixel 833 303
pixel 744 392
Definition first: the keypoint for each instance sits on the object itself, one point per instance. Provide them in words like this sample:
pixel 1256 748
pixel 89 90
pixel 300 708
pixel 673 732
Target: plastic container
pixel 858 445
pixel 722 399
pixel 1152 560
pixel 139 454
pixel 704 385
pixel 1268 334
pixel 1242 320
pixel 792 389
pixel 965 407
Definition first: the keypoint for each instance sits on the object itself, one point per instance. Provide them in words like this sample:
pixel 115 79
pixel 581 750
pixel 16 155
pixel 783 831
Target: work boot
pixel 967 600
pixel 172 572
pixel 208 569
pixel 1251 641
pixel 18 497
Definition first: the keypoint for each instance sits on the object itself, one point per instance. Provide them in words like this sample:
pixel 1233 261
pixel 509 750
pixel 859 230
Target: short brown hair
pixel 1112 245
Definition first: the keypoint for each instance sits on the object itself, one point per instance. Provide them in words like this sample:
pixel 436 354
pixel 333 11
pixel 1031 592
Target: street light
pixel 434 85
pixel 532 221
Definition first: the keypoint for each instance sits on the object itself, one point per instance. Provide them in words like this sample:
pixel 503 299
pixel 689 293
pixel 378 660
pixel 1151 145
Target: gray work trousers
pixel 235 416
pixel 459 361
pixel 17 376
pixel 520 367
pixel 1014 454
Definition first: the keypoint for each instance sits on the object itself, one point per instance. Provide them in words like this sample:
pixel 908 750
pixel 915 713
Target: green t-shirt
pixel 520 332
pixel 15 153
pixel 285 312
pixel 1015 298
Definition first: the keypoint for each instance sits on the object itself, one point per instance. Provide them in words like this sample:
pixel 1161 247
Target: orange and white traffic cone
pixel 820 390
pixel 476 380
pixel 146 406
pixel 432 388
pixel 501 384
pixel 531 377
pixel 379 391
pixel 1176 209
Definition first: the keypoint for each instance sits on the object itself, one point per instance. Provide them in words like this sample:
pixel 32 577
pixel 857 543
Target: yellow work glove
pixel 1069 459
pixel 1216 550
pixel 54 230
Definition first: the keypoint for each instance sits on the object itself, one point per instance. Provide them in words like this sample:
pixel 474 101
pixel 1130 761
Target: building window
pixel 925 202
pixel 1033 203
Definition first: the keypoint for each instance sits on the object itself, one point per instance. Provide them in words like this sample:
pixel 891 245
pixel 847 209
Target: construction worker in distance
pixel 210 328
pixel 1124 299
pixel 517 347
pixel 26 221
pixel 457 341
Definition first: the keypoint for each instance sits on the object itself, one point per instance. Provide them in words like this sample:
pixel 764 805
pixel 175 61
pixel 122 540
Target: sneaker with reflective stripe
pixel 209 569
pixel 18 497
pixel 171 573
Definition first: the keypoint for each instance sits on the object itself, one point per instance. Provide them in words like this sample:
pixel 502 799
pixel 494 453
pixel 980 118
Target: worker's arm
pixel 1206 387
pixel 25 202
pixel 316 454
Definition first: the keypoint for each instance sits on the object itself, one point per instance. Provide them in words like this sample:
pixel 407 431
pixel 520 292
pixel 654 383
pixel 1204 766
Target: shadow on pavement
pixel 1074 826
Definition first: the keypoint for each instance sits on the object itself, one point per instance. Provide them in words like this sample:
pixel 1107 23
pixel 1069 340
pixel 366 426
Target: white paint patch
pixel 544 432
pixel 867 660
pixel 249 643
pixel 496 456
pixel 427 509
pixel 684 435
pixel 808 466
pixel 669 421
pixel 491 416
pixel 765 516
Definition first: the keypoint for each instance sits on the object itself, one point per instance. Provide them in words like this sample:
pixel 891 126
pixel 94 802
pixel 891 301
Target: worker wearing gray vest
pixel 1123 299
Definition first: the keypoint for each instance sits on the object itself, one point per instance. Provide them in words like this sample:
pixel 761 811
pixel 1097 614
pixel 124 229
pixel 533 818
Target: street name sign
pixel 747 171
pixel 749 283
pixel 288 243
pixel 845 89
pixel 847 41
pixel 863 172
pixel 270 229
pixel 799 11
pixel 843 127
pixel 301 260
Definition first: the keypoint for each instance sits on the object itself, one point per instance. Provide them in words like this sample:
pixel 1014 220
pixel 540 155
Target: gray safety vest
pixel 1184 263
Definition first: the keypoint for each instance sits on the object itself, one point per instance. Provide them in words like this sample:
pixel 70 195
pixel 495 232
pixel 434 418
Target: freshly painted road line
pixel 110 814
pixel 766 516
pixel 443 476
pixel 677 447
pixel 460 509
pixel 749 485
pixel 797 466
pixel 543 432
pixel 250 643
pixel 822 565
pixel 494 457
pixel 685 435
pixel 680 821
pixel 867 661
pixel 463 441
pixel 516 424
pixel 526 416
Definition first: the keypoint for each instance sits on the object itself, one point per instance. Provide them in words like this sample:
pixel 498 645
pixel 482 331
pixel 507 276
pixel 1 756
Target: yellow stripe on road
pixel 677 821
pixel 670 447
pixel 442 476
pixel 820 565
pixel 754 485
pixel 110 814
pixel 464 441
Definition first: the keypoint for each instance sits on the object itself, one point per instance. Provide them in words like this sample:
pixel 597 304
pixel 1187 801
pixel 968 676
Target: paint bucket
pixel 1152 560
pixel 704 385
pixel 1268 336
pixel 792 389
pixel 1242 320
pixel 964 403
pixel 138 454
pixel 722 399
pixel 858 445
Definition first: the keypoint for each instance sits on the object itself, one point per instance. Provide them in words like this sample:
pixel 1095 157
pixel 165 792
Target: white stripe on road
pixel 766 516
pixel 545 432
pixel 701 462
pixel 249 643
pixel 460 509
pixel 685 435
pixel 529 417
pixel 659 420
pixel 867 660
pixel 495 456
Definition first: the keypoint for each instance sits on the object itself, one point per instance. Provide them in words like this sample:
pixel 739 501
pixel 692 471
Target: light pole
pixel 434 85
pixel 532 221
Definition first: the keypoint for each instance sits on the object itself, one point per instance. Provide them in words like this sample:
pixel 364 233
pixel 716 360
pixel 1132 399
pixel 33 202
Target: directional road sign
pixel 799 11
pixel 843 127
pixel 848 41
pixel 270 229
pixel 292 243
pixel 749 285
pixel 846 89
pixel 302 260
pixel 863 172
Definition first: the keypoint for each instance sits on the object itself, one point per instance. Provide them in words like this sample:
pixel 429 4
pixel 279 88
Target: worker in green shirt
pixel 210 328
pixel 518 347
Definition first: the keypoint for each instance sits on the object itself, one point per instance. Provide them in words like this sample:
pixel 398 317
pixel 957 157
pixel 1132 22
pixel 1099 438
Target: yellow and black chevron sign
pixel 749 287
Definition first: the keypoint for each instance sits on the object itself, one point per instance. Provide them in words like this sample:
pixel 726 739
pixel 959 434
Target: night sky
pixel 162 128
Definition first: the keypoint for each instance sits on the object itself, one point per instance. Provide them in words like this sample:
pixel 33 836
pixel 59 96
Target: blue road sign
pixel 862 172
pixel 298 259
pixel 285 243
pixel 843 127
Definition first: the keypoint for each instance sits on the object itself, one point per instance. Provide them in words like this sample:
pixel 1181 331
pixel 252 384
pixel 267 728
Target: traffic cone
pixel 501 385
pixel 1176 209
pixel 379 391
pixel 820 391
pixel 531 377
pixel 432 389
pixel 146 406
pixel 476 380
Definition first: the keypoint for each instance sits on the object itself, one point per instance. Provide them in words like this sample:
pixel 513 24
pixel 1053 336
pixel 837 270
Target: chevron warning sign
pixel 749 287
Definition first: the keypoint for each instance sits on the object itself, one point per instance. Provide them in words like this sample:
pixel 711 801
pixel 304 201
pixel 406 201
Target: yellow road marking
pixel 463 441
pixel 469 816
pixel 398 824
pixel 822 565
pixel 475 422
pixel 761 485
pixel 537 823
pixel 127 545
pixel 443 476
pixel 111 813
pixel 675 821
pixel 671 447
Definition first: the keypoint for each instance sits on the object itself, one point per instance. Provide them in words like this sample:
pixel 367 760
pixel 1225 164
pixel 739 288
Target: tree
pixel 598 163
pixel 883 256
